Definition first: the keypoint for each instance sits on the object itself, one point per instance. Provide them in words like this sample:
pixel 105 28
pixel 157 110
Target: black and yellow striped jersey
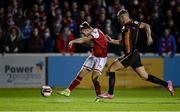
pixel 129 33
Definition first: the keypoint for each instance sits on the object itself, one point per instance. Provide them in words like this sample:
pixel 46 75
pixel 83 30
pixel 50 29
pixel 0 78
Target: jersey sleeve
pixel 95 33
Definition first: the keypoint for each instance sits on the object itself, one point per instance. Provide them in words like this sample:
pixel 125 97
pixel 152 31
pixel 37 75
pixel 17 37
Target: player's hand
pixel 149 41
pixel 70 44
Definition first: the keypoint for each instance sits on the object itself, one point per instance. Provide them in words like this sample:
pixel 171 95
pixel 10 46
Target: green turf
pixel 151 99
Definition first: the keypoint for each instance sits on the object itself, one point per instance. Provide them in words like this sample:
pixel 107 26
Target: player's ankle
pixel 67 89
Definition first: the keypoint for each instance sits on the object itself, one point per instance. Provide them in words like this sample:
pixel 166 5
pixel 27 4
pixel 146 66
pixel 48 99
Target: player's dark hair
pixel 121 12
pixel 84 25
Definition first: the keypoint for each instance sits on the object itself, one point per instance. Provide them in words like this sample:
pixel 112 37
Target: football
pixel 46 91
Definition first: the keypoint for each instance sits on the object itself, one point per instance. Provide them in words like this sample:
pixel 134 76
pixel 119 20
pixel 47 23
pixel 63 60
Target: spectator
pixel 101 23
pixel 62 41
pixel 26 29
pixel 115 8
pixel 18 17
pixel 81 17
pixel 167 44
pixel 86 9
pixel 9 22
pixel 54 20
pixel 67 19
pixel 75 11
pixel 65 7
pixel 26 33
pixel 42 13
pixel 89 20
pixel 57 25
pixel 48 42
pixel 12 40
pixel 35 42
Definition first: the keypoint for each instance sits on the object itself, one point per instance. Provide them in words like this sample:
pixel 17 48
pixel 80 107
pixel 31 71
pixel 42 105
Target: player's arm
pixel 113 41
pixel 148 32
pixel 80 40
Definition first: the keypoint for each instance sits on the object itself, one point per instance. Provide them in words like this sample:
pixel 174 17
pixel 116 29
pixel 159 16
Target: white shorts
pixel 95 63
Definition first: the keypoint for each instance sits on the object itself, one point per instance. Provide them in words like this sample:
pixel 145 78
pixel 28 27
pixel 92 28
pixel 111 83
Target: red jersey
pixel 100 44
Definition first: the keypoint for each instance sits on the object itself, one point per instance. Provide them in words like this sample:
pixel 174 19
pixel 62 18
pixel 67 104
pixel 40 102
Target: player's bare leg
pixel 96 83
pixel 97 86
pixel 141 72
pixel 116 65
pixel 82 73
pixel 148 77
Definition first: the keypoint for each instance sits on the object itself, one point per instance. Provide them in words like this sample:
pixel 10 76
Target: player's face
pixel 123 18
pixel 86 32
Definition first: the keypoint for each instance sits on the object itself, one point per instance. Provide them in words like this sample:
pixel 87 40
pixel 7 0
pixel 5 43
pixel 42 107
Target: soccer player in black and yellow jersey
pixel 128 39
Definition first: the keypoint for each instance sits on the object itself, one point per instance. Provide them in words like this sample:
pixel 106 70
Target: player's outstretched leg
pixel 74 83
pixel 151 78
pixel 96 83
pixel 83 72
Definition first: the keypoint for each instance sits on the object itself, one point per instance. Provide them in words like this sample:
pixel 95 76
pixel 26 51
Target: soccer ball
pixel 46 91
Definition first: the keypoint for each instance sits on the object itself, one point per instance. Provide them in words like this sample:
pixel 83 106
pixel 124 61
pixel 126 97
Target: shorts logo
pixel 100 66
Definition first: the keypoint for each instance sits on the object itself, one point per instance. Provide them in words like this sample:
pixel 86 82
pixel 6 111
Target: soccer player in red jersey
pixel 129 35
pixel 95 62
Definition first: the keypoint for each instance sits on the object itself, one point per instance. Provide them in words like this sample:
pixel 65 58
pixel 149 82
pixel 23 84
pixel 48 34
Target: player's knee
pixel 94 79
pixel 84 71
pixel 144 76
pixel 111 69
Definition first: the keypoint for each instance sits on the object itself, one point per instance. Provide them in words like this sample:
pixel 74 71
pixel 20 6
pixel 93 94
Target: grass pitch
pixel 151 99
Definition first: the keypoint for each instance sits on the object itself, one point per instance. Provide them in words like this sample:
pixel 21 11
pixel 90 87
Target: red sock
pixel 74 83
pixel 97 88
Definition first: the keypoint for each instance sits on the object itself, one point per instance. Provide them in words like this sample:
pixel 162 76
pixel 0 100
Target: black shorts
pixel 133 59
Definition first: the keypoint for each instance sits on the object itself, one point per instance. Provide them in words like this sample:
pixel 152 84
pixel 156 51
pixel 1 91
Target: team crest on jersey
pixel 136 22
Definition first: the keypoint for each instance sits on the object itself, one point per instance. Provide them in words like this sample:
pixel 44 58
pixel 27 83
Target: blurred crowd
pixel 46 26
